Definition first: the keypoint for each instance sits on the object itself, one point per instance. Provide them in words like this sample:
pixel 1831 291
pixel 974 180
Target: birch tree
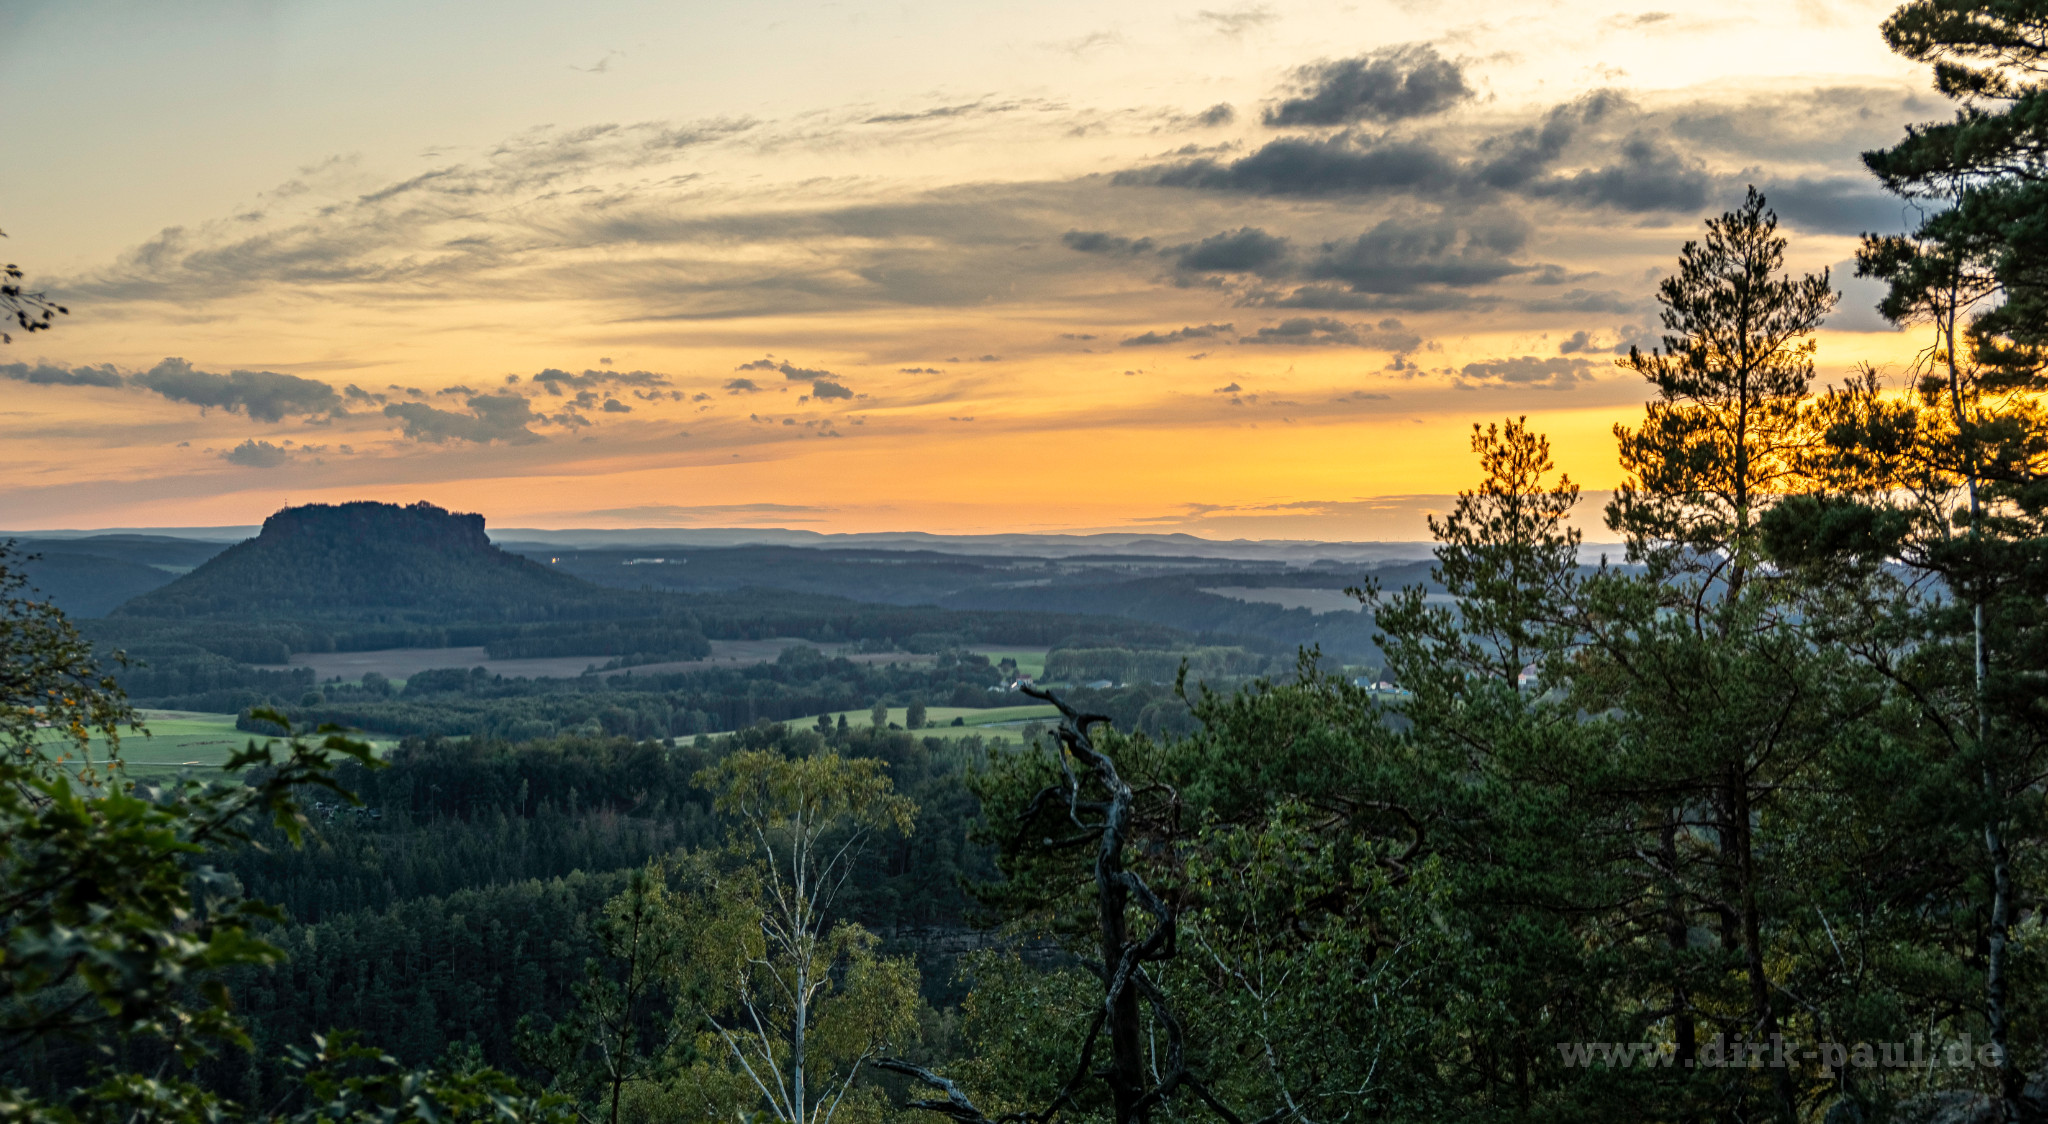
pixel 792 1002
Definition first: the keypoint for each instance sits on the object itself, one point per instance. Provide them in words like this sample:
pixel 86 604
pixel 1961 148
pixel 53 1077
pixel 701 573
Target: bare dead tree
pixel 1100 804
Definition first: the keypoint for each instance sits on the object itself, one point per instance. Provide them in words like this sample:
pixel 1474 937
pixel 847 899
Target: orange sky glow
pixel 1242 272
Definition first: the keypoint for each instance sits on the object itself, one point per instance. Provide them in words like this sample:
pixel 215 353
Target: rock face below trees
pixel 323 560
pixel 1955 1106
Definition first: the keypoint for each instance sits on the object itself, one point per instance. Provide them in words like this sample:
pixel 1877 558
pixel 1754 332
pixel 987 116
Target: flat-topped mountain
pixel 356 559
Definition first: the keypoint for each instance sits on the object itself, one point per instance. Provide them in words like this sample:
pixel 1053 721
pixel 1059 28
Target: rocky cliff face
pixel 421 525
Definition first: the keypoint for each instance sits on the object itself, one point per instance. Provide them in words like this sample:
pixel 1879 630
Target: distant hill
pixel 88 585
pixel 87 575
pixel 359 561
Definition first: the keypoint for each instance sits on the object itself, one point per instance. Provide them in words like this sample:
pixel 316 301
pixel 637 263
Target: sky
pixel 1245 271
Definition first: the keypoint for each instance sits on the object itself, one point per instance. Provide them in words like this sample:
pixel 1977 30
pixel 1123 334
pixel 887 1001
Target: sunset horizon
pixel 1249 272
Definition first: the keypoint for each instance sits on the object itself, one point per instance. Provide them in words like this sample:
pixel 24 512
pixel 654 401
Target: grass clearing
pixel 185 739
pixel 1030 661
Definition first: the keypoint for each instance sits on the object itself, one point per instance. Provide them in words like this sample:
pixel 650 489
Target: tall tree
pixel 1720 699
pixel 1944 481
pixel 1730 377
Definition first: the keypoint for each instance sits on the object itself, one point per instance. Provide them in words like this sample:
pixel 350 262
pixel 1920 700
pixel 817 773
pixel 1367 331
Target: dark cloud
pixel 262 395
pixel 1837 205
pixel 1305 330
pixel 1652 175
pixel 1233 388
pixel 614 406
pixel 1216 116
pixel 1556 372
pixel 1325 331
pixel 1393 84
pixel 558 382
pixel 790 371
pixel 1244 250
pixel 43 374
pixel 1193 332
pixel 1102 242
pixel 1627 161
pixel 257 454
pixel 1586 300
pixel 920 371
pixel 492 417
pixel 455 391
pixel 1340 165
pixel 826 388
pixel 741 386
pixel 1402 255
pixel 1512 160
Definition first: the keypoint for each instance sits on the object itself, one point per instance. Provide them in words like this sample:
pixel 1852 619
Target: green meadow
pixel 175 740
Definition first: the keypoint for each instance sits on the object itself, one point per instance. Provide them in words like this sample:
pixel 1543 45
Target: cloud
pixel 614 406
pixel 790 371
pixel 1401 255
pixel 1244 250
pixel 826 388
pixel 257 454
pixel 1651 175
pixel 1101 242
pixel 1627 161
pixel 1325 331
pixel 1534 372
pixel 1234 22
pixel 1392 84
pixel 1837 205
pixel 943 111
pixel 557 382
pixel 492 417
pixel 1617 342
pixel 1216 116
pixel 1340 165
pixel 1195 332
pixel 42 374
pixel 263 395
pixel 1406 261
pixel 1233 388
pixel 1513 159
pixel 920 371
pixel 741 386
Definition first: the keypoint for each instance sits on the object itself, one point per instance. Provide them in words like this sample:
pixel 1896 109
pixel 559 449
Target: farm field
pixel 986 721
pixel 1030 661
pixel 184 739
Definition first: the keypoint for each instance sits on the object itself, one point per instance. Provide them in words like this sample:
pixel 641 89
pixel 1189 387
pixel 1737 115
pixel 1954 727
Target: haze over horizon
pixel 1239 271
